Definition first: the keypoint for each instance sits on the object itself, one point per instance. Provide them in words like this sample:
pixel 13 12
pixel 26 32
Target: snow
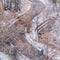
pixel 57 57
pixel 22 57
pixel 3 56
pixel 44 2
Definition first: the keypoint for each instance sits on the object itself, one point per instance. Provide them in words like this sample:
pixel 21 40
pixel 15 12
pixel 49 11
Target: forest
pixel 29 29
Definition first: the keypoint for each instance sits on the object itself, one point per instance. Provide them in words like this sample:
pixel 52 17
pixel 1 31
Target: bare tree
pixel 1 5
pixel 54 1
pixel 36 8
pixel 11 4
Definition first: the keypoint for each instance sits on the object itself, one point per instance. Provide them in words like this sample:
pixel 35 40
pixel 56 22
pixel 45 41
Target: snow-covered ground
pixel 4 56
